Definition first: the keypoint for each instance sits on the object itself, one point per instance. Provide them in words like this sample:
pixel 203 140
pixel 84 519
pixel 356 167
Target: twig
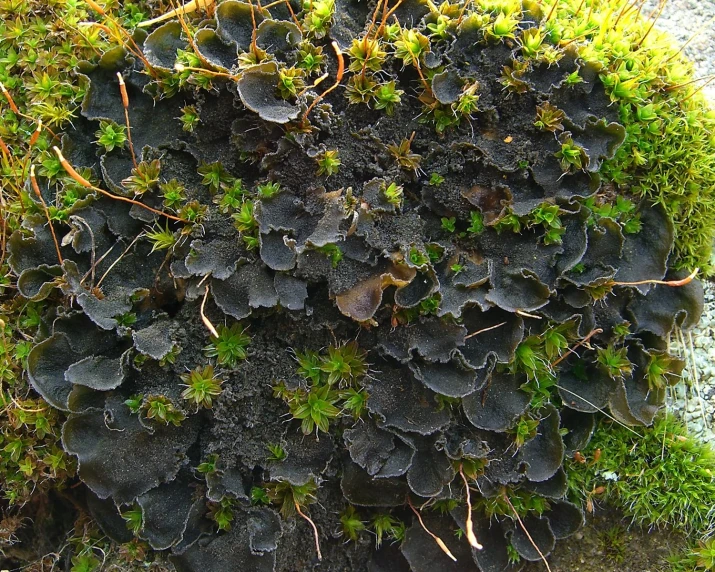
pixel 521 523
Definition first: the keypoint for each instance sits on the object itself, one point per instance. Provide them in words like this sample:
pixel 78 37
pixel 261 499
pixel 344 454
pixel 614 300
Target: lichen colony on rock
pixel 450 233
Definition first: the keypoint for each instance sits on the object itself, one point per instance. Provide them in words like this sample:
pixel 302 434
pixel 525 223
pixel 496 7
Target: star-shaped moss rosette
pixel 411 288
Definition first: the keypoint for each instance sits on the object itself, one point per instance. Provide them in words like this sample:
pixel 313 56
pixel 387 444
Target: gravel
pixel 683 18
pixel 694 401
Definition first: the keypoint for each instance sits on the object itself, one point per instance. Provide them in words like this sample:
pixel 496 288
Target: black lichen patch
pixel 142 458
pixel 457 232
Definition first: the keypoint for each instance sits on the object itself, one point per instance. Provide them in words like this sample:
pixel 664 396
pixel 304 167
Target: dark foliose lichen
pixel 447 216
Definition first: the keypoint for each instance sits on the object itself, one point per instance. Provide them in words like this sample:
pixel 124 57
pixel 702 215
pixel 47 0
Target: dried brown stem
pixel 385 17
pixel 204 319
pixel 113 264
pixel 125 105
pixel 521 523
pixel 471 537
pixel 599 409
pixel 578 345
pixel 436 538
pixel 315 529
pixel 85 183
pixel 527 315
pixel 682 282
pixel 484 330
pixel 691 38
pixel 553 9
pixel 179 11
pixel 684 84
pixel 36 188
pixel 661 7
pixel 699 89
pixel 338 79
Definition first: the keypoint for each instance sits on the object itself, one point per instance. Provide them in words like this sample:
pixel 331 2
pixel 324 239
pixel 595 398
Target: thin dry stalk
pixel 682 282
pixel 204 319
pixel 436 538
pixel 597 408
pixel 36 188
pixel 691 38
pixel 578 345
pixel 553 9
pixel 338 79
pixel 315 529
pixel 125 105
pixel 521 523
pixel 484 330
pixel 179 11
pixel 85 183
pixel 471 537
pixel 661 7
pixel 113 264
pixel 527 315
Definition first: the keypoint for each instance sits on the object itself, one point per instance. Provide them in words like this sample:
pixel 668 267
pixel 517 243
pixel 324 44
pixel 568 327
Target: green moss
pixel 659 475
pixel 668 156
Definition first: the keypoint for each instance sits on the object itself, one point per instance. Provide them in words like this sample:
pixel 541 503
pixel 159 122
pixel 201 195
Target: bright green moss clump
pixel 658 475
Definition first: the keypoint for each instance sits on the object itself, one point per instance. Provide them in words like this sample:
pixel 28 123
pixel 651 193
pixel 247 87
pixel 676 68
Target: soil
pixel 608 544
